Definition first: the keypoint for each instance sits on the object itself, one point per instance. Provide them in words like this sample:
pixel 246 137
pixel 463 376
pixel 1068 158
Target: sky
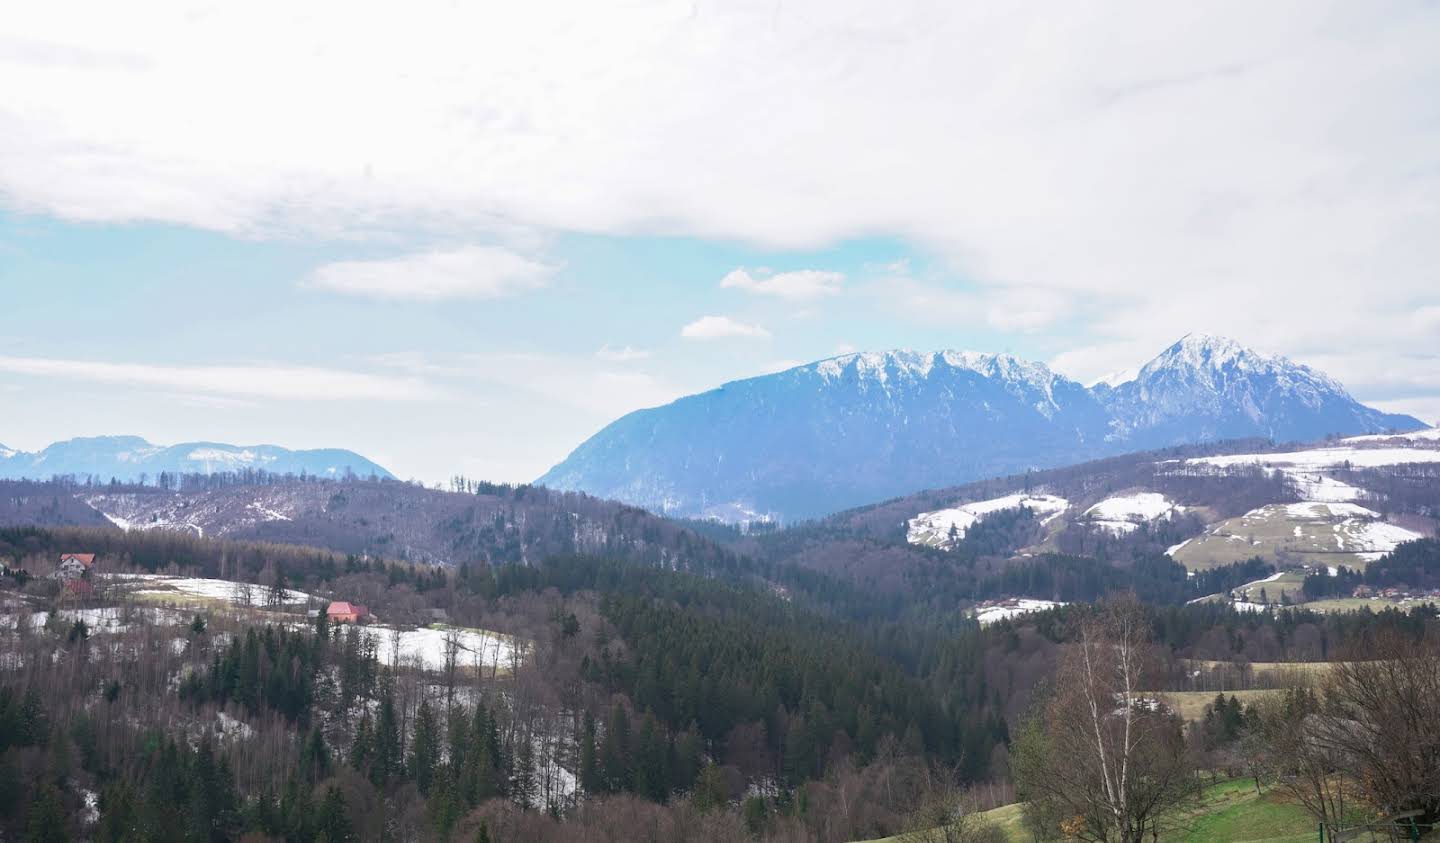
pixel 460 238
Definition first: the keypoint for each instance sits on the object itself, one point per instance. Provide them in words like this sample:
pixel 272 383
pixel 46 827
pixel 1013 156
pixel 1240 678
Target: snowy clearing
pixel 988 613
pixel 943 527
pixel 1320 459
pixel 1429 434
pixel 427 646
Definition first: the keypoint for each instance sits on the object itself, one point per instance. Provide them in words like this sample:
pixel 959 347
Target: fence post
pixel 1322 832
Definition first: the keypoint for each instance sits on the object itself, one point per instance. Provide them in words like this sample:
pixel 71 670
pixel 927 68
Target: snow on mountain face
pixel 867 426
pixel 1206 387
pixel 127 457
pixel 838 433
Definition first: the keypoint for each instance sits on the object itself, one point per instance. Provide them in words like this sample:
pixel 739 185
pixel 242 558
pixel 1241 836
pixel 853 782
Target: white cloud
pixel 276 382
pixel 470 272
pixel 798 285
pixel 1218 165
pixel 624 354
pixel 580 382
pixel 721 327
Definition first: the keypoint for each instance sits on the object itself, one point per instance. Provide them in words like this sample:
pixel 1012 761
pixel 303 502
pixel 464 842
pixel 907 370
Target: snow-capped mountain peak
pixel 917 365
pixel 1215 358
pixel 864 426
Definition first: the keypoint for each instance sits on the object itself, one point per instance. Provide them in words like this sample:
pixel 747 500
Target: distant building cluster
pixel 1395 593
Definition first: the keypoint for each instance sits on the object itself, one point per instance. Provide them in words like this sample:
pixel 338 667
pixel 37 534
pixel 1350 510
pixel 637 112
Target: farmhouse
pixel 73 566
pixel 342 612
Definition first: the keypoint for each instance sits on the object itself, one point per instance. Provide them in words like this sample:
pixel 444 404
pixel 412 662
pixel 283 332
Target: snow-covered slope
pixel 943 528
pixel 126 458
pixel 1125 513
pixel 864 427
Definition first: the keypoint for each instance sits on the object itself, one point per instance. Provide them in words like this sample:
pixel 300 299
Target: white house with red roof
pixel 74 566
pixel 343 612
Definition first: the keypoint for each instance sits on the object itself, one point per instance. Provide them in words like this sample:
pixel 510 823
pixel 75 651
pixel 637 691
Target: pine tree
pixel 615 751
pixel 650 761
pixel 425 748
pixel 388 762
pixel 364 745
pixel 523 790
pixel 315 758
pixel 590 780
pixel 47 817
pixel 248 682
pixel 334 818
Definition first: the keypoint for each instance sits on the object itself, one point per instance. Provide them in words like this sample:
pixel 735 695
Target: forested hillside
pixel 779 703
pixel 469 522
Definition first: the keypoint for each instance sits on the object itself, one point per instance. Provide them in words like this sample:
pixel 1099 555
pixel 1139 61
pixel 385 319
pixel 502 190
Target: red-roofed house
pixel 342 612
pixel 73 566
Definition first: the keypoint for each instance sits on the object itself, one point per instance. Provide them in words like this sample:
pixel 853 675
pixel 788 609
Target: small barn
pixel 343 612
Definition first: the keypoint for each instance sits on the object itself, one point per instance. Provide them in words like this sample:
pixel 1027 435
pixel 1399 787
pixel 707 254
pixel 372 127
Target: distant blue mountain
pixel 128 457
pixel 865 427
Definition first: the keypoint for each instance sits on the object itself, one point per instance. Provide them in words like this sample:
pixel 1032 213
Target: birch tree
pixel 1103 760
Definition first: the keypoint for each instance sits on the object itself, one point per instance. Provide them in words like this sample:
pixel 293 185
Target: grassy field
pixel 1233 812
pixel 1311 538
pixel 1230 812
pixel 1265 667
pixel 1290 583
pixel 1355 604
pixel 1009 818
pixel 1190 705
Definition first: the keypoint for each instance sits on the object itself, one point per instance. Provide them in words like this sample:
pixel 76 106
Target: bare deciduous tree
pixel 1103 760
pixel 1382 721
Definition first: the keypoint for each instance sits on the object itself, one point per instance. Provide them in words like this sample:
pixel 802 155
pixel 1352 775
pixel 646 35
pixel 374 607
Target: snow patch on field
pixel 1303 530
pixel 1377 538
pixel 1170 551
pixel 1318 487
pixel 1320 509
pixel 988 613
pixel 935 528
pixel 162 586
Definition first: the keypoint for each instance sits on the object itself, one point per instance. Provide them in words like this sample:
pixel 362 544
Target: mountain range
pixel 126 458
pixel 865 427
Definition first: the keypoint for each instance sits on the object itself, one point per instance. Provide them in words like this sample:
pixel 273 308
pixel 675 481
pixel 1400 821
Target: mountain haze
pixel 864 427
pixel 125 458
